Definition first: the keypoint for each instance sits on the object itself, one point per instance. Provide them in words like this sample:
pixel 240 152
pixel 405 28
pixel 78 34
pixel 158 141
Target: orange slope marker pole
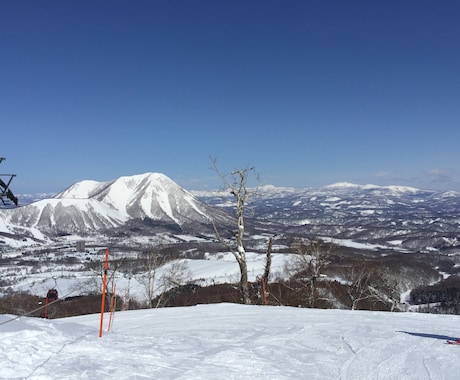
pixel 112 306
pixel 104 289
pixel 264 291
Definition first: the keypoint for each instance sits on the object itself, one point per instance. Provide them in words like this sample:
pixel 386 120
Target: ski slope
pixel 227 341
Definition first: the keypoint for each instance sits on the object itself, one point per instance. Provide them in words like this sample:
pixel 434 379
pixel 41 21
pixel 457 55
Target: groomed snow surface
pixel 227 341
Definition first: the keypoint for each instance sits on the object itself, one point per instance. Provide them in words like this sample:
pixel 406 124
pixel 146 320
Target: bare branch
pixel 306 267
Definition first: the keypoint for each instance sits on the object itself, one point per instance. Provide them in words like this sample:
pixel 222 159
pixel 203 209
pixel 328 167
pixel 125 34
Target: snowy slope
pixel 228 341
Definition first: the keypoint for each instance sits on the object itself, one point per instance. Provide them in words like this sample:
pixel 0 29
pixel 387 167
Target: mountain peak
pixel 392 188
pixel 342 185
pixel 89 205
pixel 88 188
pixel 152 195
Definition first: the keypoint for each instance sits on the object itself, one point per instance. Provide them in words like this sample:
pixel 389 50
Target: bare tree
pixel 363 281
pixel 236 183
pixel 368 282
pixel 307 265
pixel 97 269
pixel 359 278
pixel 175 274
pixel 151 263
pixel 160 275
pixel 387 290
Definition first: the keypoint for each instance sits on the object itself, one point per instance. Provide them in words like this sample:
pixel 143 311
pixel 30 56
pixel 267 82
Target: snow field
pixel 233 342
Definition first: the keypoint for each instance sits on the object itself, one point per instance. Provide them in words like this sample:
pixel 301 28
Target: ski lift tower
pixel 6 195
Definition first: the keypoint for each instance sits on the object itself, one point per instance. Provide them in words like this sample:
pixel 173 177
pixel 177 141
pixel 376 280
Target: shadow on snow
pixel 432 336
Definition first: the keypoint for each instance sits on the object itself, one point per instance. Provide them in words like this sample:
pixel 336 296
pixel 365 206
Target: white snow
pixel 227 341
pixel 402 189
pixel 395 189
pixel 80 190
pixel 352 244
pixel 341 185
pixel 192 202
pixel 332 199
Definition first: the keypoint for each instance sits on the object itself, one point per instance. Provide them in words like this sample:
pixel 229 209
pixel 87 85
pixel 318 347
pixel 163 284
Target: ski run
pixel 229 341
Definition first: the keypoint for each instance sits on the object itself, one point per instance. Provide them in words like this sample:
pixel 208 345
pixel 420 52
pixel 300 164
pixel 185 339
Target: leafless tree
pixel 371 283
pixel 97 268
pixel 307 265
pixel 236 183
pixel 359 278
pixel 387 288
pixel 160 274
pixel 176 274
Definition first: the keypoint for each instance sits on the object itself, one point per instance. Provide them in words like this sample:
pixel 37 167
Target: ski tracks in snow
pixel 388 355
pixel 233 342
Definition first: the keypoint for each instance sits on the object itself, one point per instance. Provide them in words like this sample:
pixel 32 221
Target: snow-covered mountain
pixel 398 217
pixel 150 195
pixel 89 206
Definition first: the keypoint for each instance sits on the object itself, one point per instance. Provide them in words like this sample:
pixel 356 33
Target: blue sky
pixel 308 92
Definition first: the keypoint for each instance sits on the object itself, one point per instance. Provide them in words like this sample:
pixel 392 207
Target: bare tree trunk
pixel 268 262
pixel 244 284
pixel 238 189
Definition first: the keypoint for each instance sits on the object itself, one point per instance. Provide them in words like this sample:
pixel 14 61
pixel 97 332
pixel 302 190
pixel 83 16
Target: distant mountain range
pixel 396 217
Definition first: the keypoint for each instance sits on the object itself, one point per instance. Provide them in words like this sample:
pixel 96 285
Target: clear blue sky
pixel 308 92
